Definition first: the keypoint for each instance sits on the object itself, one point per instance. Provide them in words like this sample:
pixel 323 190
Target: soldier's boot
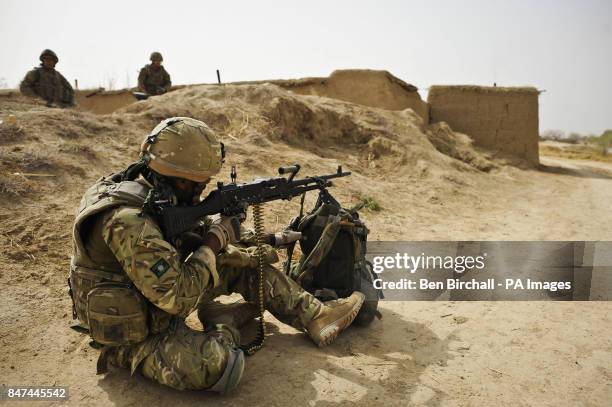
pixel 236 314
pixel 333 317
pixel 118 356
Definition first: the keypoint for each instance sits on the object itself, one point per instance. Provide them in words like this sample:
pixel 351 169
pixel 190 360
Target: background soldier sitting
pixel 45 82
pixel 153 78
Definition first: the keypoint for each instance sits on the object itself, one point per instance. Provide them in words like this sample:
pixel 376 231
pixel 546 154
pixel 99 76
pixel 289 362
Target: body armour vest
pixel 92 262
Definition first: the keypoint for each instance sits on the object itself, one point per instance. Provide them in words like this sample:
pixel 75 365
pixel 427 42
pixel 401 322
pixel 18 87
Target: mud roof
pixel 320 80
pixel 483 89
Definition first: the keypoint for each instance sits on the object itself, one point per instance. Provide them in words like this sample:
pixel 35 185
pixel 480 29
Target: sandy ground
pixel 420 353
pixel 433 353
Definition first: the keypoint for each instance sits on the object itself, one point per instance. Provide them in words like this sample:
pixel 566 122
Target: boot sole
pixel 331 331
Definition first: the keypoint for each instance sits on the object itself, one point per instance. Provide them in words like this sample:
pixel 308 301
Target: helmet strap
pixel 131 172
pixel 161 194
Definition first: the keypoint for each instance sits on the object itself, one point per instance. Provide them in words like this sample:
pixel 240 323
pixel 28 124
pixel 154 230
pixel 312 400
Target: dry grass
pixel 13 185
pixel 576 152
pixel 77 150
pixel 10 133
pixel 27 160
pixel 35 160
pixel 70 132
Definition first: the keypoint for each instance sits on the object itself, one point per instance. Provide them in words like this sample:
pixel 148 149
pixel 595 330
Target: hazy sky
pixel 562 46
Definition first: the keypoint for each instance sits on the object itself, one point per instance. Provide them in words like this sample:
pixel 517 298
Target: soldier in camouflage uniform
pixel 133 289
pixel 153 78
pixel 47 83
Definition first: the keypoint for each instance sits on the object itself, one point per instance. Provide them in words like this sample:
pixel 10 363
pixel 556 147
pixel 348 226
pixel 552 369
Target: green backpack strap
pixel 321 249
pixel 293 225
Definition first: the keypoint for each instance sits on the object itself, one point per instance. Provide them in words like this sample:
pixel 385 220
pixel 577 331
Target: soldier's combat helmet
pixel 183 147
pixel 48 53
pixel 156 56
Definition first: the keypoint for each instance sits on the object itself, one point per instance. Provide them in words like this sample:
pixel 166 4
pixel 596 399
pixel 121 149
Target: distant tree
pixel 576 138
pixel 3 83
pixel 554 135
pixel 605 140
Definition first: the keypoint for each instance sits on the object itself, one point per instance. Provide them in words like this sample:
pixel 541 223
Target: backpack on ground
pixel 333 262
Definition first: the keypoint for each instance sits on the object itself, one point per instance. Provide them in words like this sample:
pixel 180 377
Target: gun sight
pixel 292 169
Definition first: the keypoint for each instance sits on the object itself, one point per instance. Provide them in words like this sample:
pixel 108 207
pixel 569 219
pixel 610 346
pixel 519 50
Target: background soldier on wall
pixel 47 83
pixel 153 78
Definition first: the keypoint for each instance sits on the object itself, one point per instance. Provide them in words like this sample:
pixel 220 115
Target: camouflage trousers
pixel 183 358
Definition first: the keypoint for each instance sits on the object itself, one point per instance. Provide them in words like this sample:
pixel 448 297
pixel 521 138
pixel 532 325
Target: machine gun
pixel 233 199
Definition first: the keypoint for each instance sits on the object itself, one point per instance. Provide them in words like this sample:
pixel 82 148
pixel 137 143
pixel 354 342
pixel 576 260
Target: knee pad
pixel 232 373
pixel 226 333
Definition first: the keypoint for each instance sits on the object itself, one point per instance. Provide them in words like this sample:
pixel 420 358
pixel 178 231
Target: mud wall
pixel 362 86
pixel 504 120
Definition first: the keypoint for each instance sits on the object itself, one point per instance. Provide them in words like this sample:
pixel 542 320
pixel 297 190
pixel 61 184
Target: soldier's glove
pixel 226 229
pixel 286 237
pixel 189 242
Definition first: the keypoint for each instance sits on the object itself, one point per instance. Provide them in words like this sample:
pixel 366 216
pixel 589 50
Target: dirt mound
pixel 103 102
pixel 362 86
pixel 458 146
pixel 265 115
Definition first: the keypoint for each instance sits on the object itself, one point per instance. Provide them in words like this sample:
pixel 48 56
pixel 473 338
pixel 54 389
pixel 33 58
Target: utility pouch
pixel 117 314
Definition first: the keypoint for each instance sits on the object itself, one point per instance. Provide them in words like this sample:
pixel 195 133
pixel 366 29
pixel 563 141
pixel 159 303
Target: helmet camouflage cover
pixel 48 53
pixel 156 56
pixel 183 147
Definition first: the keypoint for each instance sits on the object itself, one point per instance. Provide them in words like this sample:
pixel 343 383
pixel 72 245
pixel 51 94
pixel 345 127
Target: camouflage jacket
pixel 155 266
pixel 48 84
pixel 154 81
pixel 113 241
